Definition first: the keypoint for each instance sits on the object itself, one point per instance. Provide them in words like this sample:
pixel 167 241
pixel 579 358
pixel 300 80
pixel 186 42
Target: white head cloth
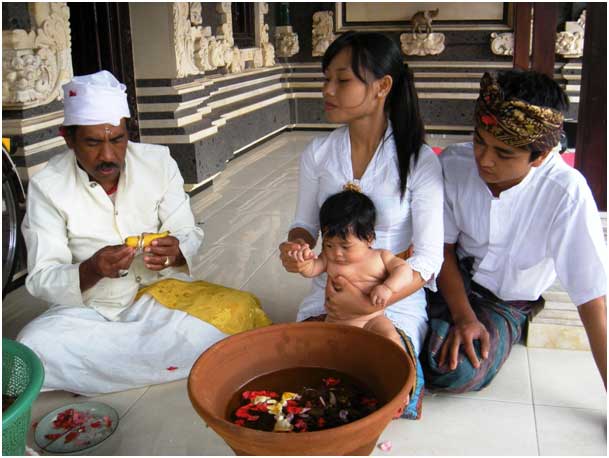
pixel 98 98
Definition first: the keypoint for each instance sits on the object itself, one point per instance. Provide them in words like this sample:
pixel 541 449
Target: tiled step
pixel 558 325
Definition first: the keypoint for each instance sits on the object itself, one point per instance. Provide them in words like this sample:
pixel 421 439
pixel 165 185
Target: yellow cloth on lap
pixel 230 310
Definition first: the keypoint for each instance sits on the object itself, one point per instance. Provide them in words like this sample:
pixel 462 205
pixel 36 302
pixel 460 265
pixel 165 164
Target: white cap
pixel 98 98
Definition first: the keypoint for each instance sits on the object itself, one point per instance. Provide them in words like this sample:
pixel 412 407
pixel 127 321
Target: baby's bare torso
pixel 365 275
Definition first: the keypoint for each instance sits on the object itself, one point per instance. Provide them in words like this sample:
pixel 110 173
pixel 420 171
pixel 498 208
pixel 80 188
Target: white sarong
pixel 84 353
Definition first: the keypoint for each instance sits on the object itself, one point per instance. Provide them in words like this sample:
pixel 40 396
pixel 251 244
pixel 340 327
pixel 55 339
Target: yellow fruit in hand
pixel 144 240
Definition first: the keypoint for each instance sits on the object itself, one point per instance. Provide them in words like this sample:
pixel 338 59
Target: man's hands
pixel 162 253
pixel 380 295
pixel 108 261
pixel 464 333
pixel 105 263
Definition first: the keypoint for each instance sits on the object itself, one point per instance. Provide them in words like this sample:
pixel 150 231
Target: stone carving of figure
pixel 286 41
pixel 421 21
pixel 323 32
pixel 195 13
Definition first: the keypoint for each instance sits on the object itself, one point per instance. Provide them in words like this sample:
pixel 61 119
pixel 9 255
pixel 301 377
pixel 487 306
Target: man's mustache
pixel 106 165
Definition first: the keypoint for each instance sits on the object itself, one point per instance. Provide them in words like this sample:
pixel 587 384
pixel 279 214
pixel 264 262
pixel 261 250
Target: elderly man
pixel 100 335
pixel 516 217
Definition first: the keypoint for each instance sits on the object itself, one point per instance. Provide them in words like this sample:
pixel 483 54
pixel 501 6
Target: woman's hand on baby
pixel 380 295
pixel 346 301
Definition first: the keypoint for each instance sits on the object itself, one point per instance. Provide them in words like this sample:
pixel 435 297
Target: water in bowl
pixel 301 399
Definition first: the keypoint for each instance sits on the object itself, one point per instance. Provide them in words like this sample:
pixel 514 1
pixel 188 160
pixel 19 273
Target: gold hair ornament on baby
pixel 352 186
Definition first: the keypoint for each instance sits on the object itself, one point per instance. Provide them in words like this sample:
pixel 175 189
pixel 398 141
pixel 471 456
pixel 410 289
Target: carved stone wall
pixel 37 63
pixel 198 50
pixel 569 43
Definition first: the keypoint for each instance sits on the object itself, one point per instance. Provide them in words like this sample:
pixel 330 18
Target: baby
pixel 347 226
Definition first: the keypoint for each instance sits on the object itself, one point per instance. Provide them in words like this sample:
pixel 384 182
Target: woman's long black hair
pixel 379 55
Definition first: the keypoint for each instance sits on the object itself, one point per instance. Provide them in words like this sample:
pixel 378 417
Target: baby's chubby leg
pixel 383 326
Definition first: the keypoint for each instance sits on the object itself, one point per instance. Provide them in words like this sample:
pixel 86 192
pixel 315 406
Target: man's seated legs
pixel 84 353
pixel 505 324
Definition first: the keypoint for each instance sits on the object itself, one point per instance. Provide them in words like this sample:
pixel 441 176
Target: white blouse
pixel 545 226
pixel 325 167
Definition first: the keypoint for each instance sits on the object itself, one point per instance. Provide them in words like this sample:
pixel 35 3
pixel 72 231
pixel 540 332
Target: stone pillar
pixel 153 42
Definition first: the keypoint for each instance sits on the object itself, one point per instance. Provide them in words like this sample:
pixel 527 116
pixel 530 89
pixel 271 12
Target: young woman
pixel 382 152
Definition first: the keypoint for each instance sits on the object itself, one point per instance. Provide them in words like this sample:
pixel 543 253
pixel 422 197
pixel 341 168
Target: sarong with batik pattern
pixel 504 320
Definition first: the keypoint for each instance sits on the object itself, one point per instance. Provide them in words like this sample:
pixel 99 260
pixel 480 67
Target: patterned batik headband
pixel 514 122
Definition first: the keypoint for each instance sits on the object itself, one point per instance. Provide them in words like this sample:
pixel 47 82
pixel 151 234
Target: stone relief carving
pixel 198 50
pixel 570 42
pixel 422 45
pixel 502 44
pixel 286 41
pixel 268 50
pixel 422 41
pixel 184 36
pixel 225 29
pixel 196 17
pixel 323 32
pixel 36 64
pixel 258 58
pixel 202 49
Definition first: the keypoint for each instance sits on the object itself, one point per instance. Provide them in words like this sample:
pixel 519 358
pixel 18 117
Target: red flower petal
pixel 262 407
pixel 52 437
pixel 70 437
pixel 243 412
pixel 171 368
pixel 300 424
pixel 254 394
pixel 72 93
pixel 331 381
pixel 239 422
pixel 107 421
pixel 293 409
pixel 96 424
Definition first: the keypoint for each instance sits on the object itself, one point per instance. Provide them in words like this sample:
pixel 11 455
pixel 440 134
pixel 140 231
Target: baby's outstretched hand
pixel 303 254
pixel 380 295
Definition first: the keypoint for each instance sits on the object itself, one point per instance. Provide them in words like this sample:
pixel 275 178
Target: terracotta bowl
pixel 227 366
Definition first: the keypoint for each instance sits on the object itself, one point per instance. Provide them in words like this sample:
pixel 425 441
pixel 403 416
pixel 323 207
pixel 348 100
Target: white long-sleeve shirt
pixel 546 226
pixel 69 218
pixel 325 167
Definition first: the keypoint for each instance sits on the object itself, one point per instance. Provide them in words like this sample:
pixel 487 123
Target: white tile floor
pixel 543 402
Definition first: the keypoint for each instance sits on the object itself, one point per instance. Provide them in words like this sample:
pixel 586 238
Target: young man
pixel 516 217
pixel 99 335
